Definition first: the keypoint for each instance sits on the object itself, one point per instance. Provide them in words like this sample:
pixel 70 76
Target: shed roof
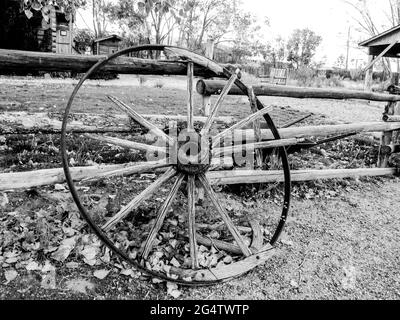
pixel 385 38
pixel 113 36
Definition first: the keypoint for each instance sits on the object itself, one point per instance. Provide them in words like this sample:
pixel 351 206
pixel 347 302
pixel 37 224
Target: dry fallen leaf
pixel 63 251
pixel 48 267
pixel 33 265
pixel 101 274
pixel 89 254
pixel 287 242
pixel 49 281
pixel 4 200
pixel 59 187
pixel 80 285
pixel 228 259
pixel 156 280
pixel 72 265
pixel 172 290
pixel 126 272
pixel 175 263
pixel 10 275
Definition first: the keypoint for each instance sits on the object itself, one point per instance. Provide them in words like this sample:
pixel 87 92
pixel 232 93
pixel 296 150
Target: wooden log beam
pixel 43 177
pixel 319 131
pixel 12 60
pixel 41 122
pixel 211 87
pixel 257 176
pixel 391 118
pixel 250 147
pixel 37 178
pixel 30 122
pixel 29 179
pixel 390 149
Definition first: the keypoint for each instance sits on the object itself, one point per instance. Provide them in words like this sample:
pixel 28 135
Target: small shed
pixel 385 44
pixel 106 45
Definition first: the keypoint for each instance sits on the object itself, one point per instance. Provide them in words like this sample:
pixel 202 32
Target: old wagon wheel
pixel 182 165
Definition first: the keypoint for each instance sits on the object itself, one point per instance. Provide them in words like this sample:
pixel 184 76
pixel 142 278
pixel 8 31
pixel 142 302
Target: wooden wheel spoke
pixel 217 152
pixel 142 121
pixel 127 169
pixel 224 215
pixel 145 194
pixel 218 103
pixel 125 143
pixel 242 123
pixel 190 68
pixel 192 221
pixel 161 216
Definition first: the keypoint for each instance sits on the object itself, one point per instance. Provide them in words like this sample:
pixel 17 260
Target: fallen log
pixel 13 60
pixel 211 87
pixel 49 123
pixel 37 178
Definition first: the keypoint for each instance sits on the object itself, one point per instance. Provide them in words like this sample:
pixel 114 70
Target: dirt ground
pixel 340 241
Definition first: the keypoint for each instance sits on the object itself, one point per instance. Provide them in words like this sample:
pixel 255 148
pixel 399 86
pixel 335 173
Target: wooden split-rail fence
pixel 26 122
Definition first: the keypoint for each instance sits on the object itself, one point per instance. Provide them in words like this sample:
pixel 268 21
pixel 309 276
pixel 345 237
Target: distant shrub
pixel 305 76
pixel 142 80
pixel 340 73
pixel 357 74
pixel 334 81
pixel 159 84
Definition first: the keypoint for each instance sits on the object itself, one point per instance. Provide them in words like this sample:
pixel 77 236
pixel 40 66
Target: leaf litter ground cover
pixel 47 251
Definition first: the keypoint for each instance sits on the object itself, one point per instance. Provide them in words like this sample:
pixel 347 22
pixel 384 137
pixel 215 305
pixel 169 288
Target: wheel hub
pixel 193 153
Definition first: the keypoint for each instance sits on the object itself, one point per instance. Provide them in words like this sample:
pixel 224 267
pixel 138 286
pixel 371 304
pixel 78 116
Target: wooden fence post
pixel 206 99
pixel 206 105
pixel 368 74
pixel 386 138
pixel 256 128
pixel 396 133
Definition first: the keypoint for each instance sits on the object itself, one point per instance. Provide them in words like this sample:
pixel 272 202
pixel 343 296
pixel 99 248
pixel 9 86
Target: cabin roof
pixel 383 38
pixel 113 36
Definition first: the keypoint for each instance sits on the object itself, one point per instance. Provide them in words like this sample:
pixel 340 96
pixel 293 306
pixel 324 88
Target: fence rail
pixel 34 61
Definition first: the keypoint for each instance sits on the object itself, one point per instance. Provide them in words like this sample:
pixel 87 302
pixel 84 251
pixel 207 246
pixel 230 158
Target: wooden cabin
pixel 106 45
pixel 34 34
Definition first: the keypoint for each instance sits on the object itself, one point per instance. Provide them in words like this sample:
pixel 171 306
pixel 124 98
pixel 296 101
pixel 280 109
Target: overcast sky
pixel 331 19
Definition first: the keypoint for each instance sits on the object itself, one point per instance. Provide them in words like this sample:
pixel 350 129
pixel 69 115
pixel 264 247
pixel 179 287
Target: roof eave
pixel 368 41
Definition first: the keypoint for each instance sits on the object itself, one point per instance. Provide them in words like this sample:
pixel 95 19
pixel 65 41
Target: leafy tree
pixel 29 6
pixel 83 38
pixel 100 10
pixel 274 52
pixel 302 46
pixel 148 18
pixel 341 62
pixel 200 18
pixel 246 38
pixel 368 21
